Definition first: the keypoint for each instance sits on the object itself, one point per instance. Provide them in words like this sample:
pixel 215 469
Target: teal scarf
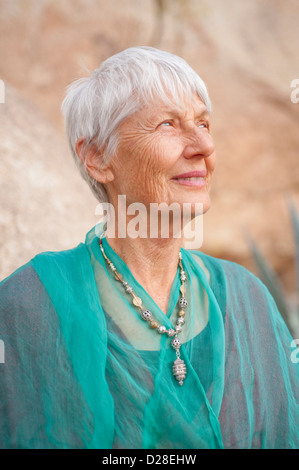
pixel 82 370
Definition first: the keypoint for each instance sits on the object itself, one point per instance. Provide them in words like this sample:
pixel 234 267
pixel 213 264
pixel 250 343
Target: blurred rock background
pixel 248 54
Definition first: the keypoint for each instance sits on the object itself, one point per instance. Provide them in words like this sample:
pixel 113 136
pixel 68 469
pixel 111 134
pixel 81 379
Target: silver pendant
pixel 179 370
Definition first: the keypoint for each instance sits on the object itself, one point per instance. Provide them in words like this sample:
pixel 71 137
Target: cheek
pixel 211 162
pixel 147 164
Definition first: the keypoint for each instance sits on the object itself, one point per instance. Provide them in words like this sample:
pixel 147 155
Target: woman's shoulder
pixel 50 259
pixel 229 276
pixel 30 296
pixel 224 266
pixel 25 286
pixel 236 286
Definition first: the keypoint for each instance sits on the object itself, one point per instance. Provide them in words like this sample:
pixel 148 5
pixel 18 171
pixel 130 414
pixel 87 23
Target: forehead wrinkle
pixel 179 110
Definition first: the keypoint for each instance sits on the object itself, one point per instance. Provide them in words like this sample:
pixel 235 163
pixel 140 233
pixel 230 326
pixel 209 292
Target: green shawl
pixel 82 370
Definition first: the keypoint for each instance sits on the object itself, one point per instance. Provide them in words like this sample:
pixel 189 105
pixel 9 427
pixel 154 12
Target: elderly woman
pixel 137 342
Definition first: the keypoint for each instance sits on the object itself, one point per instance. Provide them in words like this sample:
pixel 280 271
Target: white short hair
pixel 95 106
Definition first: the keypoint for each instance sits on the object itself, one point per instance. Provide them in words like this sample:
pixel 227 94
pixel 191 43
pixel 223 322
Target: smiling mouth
pixel 196 178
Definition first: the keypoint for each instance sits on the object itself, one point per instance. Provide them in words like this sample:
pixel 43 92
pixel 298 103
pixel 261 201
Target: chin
pixel 206 205
pixel 199 205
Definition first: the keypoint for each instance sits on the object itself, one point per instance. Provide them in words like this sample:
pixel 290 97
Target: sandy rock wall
pixel 247 52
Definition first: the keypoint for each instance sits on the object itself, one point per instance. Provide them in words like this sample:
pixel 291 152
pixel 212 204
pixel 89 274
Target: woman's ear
pixel 90 157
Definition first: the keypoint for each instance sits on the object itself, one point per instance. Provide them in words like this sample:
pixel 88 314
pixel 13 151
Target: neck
pixel 152 261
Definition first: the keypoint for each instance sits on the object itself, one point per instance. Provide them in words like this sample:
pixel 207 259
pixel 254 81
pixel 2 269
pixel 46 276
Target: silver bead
pixel 175 343
pixel 180 321
pixel 161 329
pixel 171 332
pixel 178 328
pixel 183 277
pixel 129 289
pixel 183 302
pixel 146 315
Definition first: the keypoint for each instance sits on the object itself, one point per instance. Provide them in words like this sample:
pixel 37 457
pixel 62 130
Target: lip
pixel 182 178
pixel 192 174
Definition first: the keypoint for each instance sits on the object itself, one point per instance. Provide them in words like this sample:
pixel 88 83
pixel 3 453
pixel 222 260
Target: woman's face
pixel 165 154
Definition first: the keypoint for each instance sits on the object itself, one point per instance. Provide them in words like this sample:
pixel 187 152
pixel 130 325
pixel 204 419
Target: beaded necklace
pixel 179 367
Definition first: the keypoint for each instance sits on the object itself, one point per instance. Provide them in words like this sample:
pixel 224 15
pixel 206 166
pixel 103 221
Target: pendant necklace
pixel 179 367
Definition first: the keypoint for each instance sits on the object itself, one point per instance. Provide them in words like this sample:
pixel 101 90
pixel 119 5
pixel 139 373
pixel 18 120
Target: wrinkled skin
pixel 158 143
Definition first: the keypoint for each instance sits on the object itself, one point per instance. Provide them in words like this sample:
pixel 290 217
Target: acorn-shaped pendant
pixel 179 367
pixel 179 370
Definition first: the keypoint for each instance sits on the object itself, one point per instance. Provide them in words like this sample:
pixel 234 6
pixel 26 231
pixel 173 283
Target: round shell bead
pixel 161 329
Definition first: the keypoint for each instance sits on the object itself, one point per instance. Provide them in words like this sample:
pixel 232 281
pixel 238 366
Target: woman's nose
pixel 199 143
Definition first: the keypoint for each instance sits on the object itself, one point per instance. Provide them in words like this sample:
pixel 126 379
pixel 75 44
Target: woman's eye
pixel 204 125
